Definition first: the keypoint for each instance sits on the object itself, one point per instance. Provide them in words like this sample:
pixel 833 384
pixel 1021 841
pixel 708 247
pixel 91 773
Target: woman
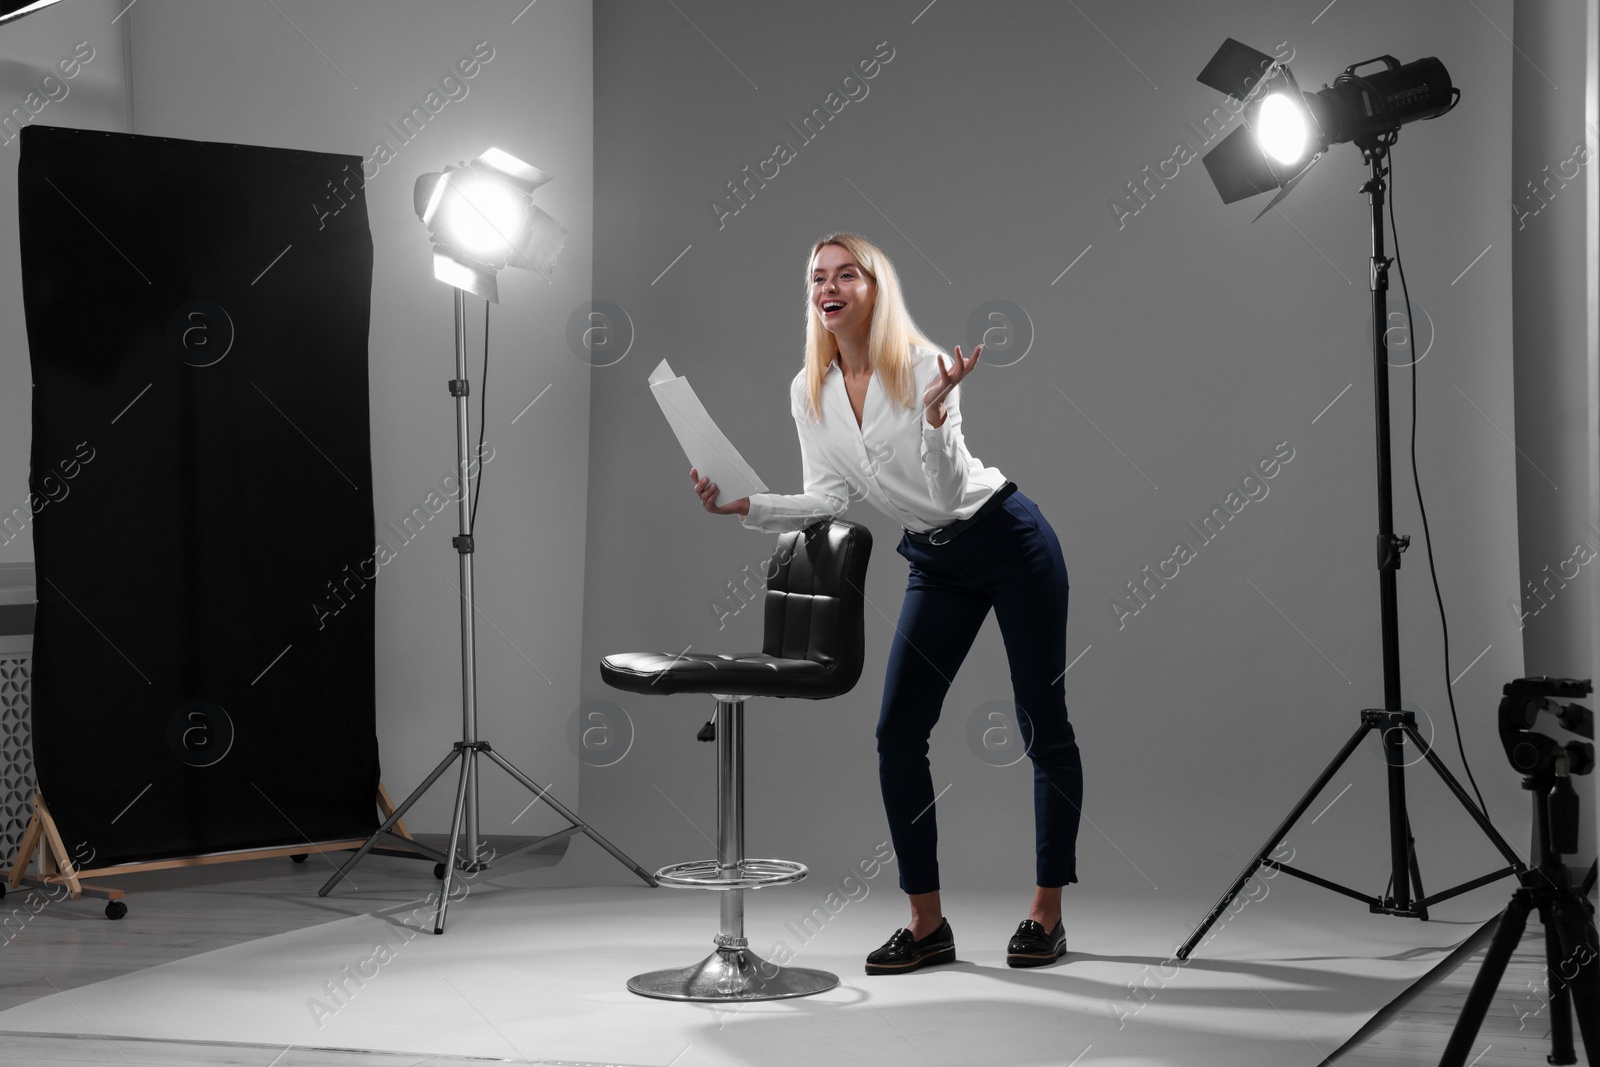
pixel 890 432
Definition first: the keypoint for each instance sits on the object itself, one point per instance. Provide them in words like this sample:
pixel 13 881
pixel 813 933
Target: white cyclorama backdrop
pixel 238 71
pixel 1127 396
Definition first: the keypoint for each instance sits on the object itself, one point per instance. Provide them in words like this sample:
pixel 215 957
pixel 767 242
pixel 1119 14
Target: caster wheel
pixel 116 909
pixel 299 857
pixel 438 871
pixel 2 890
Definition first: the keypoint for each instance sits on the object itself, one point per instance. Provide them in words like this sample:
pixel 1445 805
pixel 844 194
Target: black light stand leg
pixel 1416 871
pixel 1273 841
pixel 1507 935
pixel 1394 754
pixel 1478 816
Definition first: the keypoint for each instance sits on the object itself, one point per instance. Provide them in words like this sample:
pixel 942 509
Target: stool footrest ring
pixel 748 874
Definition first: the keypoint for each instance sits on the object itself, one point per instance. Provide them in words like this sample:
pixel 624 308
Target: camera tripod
pixel 1571 943
pixel 1571 949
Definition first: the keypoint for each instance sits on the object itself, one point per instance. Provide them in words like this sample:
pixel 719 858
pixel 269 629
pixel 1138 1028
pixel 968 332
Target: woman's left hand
pixel 939 388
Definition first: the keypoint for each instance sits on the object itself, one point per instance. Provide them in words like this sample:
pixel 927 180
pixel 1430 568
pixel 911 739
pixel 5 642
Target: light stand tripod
pixel 470 746
pixel 1571 944
pixel 1394 723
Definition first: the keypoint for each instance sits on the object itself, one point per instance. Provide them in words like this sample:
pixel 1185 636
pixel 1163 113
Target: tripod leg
pixel 1560 998
pixel 1586 989
pixel 1272 842
pixel 540 792
pixel 393 818
pixel 1580 970
pixel 1507 934
pixel 455 838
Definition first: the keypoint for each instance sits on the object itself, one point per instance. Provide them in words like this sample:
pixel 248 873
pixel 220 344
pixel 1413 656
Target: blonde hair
pixel 889 339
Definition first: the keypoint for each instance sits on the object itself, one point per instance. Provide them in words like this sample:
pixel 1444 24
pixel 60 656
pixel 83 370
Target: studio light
pixel 482 218
pixel 1285 130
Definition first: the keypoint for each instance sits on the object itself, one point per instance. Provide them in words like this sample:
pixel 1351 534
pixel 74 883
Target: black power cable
pixel 1411 341
pixel 483 399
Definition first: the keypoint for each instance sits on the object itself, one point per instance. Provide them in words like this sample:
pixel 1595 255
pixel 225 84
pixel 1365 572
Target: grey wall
pixel 329 77
pixel 1554 292
pixel 1178 351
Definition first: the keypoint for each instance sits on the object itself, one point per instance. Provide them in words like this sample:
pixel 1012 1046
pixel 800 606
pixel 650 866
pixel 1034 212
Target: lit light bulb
pixel 485 216
pixel 1281 129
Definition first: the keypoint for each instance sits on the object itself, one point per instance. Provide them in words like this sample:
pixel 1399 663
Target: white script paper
pixel 710 453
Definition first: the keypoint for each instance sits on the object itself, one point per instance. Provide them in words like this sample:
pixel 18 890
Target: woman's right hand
pixel 708 493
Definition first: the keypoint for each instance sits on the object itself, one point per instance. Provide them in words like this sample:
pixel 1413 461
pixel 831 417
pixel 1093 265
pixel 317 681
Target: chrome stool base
pixel 732 974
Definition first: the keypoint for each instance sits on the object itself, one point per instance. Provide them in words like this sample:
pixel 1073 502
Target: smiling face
pixel 836 278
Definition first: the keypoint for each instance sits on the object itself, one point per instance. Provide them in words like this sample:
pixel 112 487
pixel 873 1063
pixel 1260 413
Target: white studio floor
pixel 533 963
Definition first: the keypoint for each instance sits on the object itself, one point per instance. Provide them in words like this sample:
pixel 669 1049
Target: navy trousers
pixel 1011 561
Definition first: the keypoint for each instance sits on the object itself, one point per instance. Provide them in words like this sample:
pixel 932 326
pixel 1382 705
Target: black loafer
pixel 1034 946
pixel 901 953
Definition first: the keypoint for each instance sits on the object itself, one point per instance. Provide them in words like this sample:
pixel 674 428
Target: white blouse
pixel 921 476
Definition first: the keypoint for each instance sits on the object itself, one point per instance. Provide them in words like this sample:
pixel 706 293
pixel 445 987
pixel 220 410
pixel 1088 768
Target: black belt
pixel 941 535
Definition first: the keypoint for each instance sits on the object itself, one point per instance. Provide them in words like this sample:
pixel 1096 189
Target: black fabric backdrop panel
pixel 197 320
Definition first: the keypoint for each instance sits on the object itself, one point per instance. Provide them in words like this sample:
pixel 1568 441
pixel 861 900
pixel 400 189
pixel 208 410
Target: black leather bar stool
pixel 813 648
